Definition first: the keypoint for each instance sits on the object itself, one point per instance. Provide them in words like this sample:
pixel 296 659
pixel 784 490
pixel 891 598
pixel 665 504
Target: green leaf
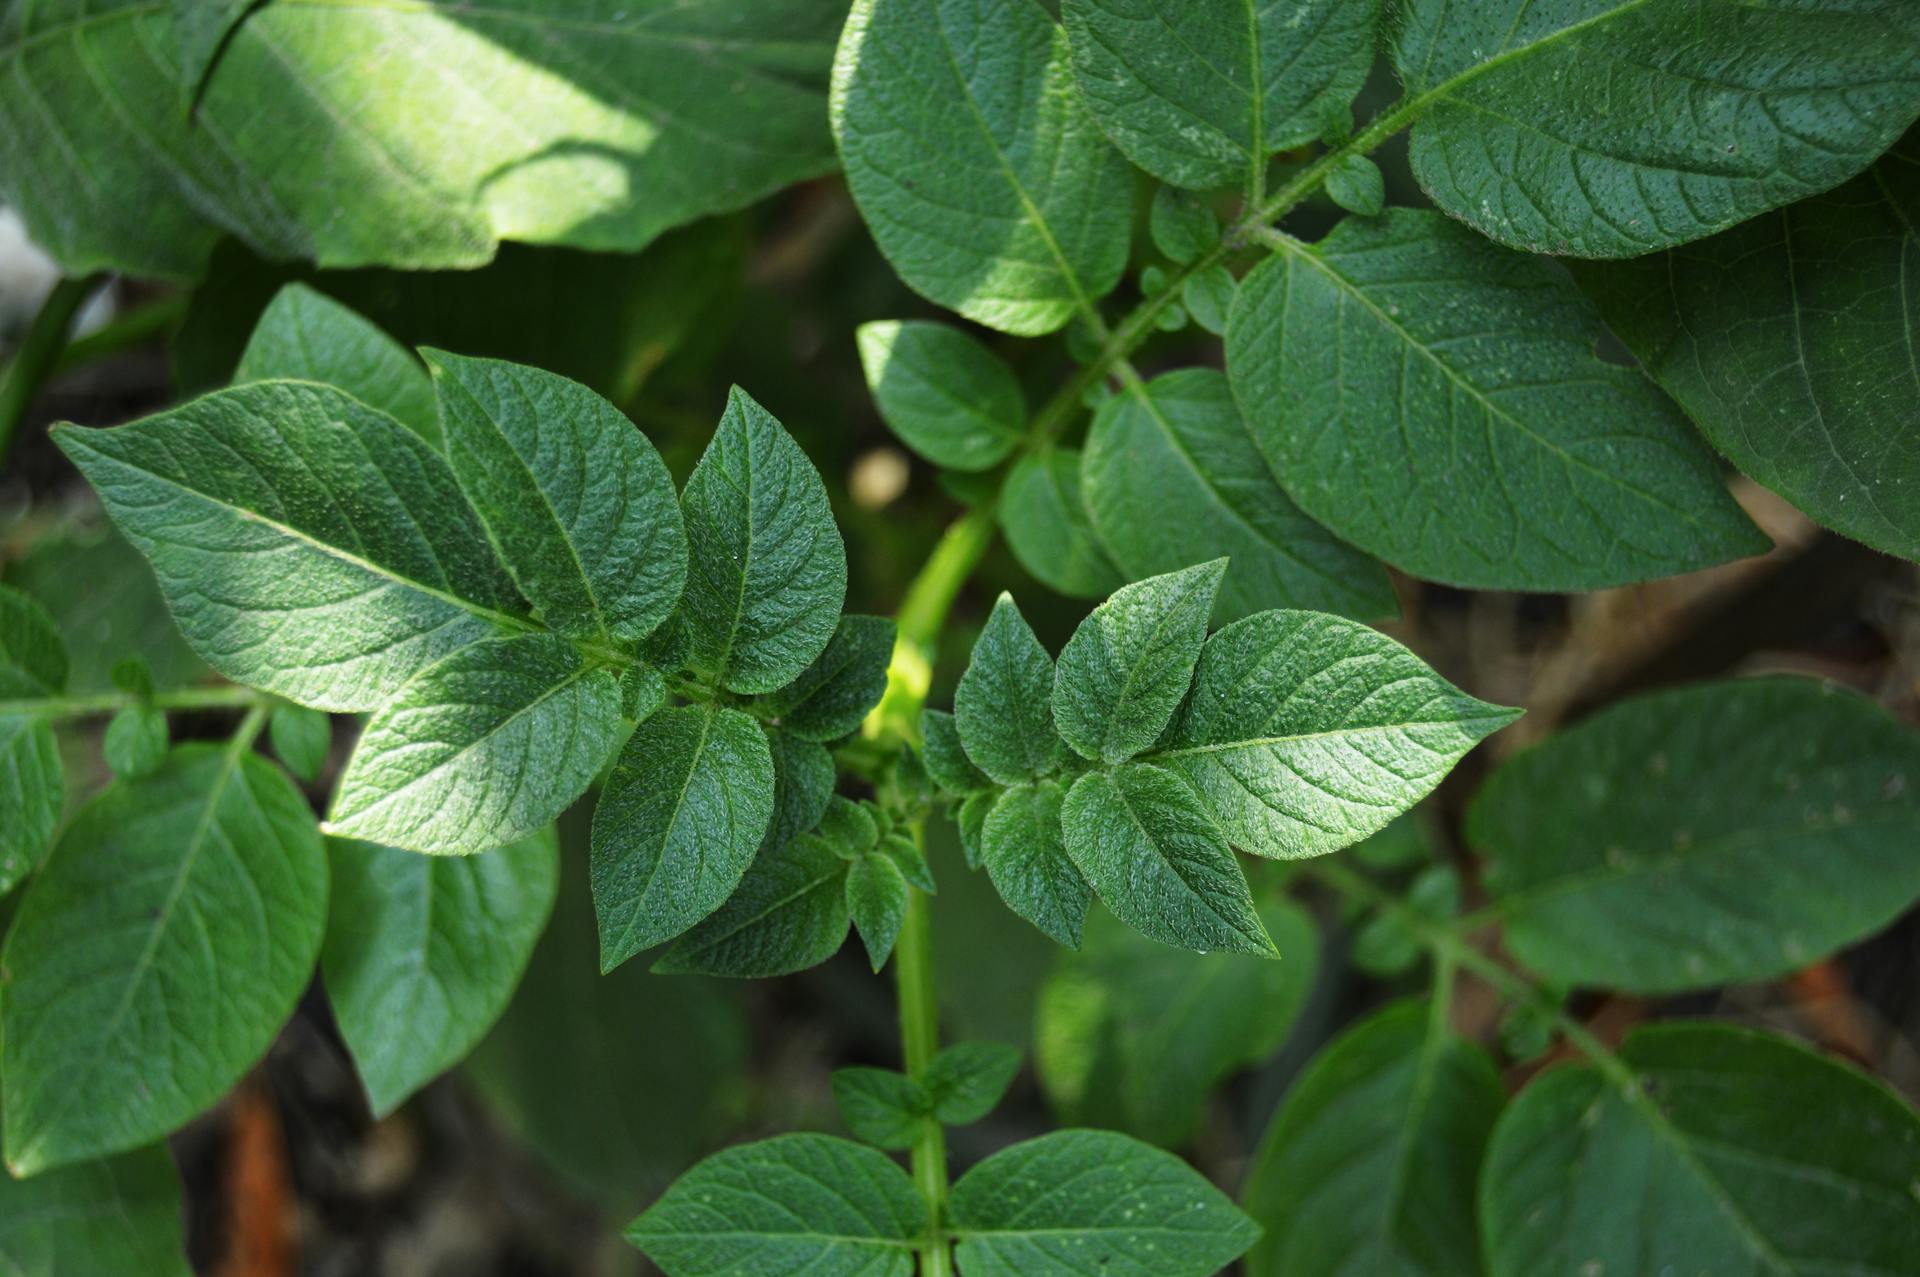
pixel 33 667
pixel 907 857
pixel 1133 1035
pixel 302 738
pixel 115 1218
pixel 803 781
pixel 33 656
pixel 1025 854
pixel 1355 184
pixel 578 503
pixel 1715 834
pixel 968 1080
pixel 643 689
pixel 1003 705
pixel 1182 225
pixel 1445 411
pixel 1790 342
pixel 1045 518
pixel 1739 1152
pixel 305 335
pixel 677 825
pixel 877 903
pixel 849 827
pixel 578 126
pixel 796 1203
pixel 947 760
pixel 789 913
pixel 1143 842
pixel 1076 1202
pixel 1611 128
pixel 135 743
pixel 971 823
pixel 1369 1165
pixel 974 161
pixel 882 1107
pixel 1128 664
pixel 1208 297
pixel 1172 477
pixel 832 696
pixel 423 953
pixel 1202 93
pixel 177 920
pixel 1305 732
pixel 948 397
pixel 306 544
pixel 480 749
pixel 200 30
pixel 768 571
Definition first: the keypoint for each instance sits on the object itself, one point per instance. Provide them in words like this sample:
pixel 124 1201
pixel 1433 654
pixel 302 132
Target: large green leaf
pixel 1143 841
pixel 416 135
pixel 1044 514
pixel 1611 128
pixel 948 397
pixel 1436 400
pixel 677 825
pixel 1025 854
pixel 1078 1202
pixel 423 953
pixel 156 955
pixel 305 335
pixel 1172 477
pixel 113 1218
pixel 577 500
pixel 1306 732
pixel 832 696
pixel 480 749
pixel 306 543
pixel 33 667
pixel 1201 93
pixel 768 571
pixel 1133 1035
pixel 789 913
pixel 1692 838
pixel 1737 1152
pixel 975 163
pixel 1792 342
pixel 797 1203
pixel 1369 1165
pixel 1003 705
pixel 1128 664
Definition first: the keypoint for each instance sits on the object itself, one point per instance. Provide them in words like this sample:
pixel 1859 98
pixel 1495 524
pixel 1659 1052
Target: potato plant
pixel 1263 323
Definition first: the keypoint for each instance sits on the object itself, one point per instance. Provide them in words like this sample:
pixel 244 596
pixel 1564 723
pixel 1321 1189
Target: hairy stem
pixel 920 1042
pixel 187 698
pixel 39 350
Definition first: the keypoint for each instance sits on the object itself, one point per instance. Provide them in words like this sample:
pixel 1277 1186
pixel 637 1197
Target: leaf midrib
pixel 1262 742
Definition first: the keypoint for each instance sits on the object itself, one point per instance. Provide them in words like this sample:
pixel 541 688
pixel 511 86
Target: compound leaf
pixel 306 544
pixel 1003 705
pixel 1025 854
pixel 1726 832
pixel 1436 400
pixel 1738 1152
pixel 304 335
pixel 1128 664
pixel 767 571
pixel 1202 93
pixel 948 397
pixel 1612 128
pixel 480 749
pixel 1146 845
pixel 796 1203
pixel 1172 477
pixel 1075 1202
pixel 832 696
pixel 156 955
pixel 1791 343
pixel 1369 1165
pixel 974 161
pixel 789 913
pixel 1044 515
pixel 577 501
pixel 1305 732
pixel 677 825
pixel 423 953
pixel 118 1217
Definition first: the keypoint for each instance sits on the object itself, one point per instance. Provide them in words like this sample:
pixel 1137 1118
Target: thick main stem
pixel 920 1042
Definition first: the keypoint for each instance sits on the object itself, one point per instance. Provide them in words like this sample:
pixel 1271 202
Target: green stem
pixel 920 1042
pixel 248 731
pixel 39 351
pixel 135 328
pixel 1448 944
pixel 186 698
